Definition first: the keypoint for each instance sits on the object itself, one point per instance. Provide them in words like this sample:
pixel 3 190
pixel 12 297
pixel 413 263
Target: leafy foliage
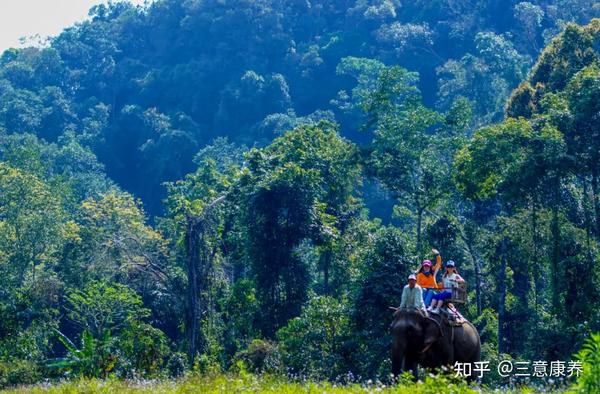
pixel 245 186
pixel 588 354
pixel 92 359
pixel 313 344
pixel 100 307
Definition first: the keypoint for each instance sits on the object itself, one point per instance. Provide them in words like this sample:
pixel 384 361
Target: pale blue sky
pixel 19 18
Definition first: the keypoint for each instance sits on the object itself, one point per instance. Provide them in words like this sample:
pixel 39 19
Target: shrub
pixel 92 359
pixel 589 355
pixel 176 365
pixel 17 372
pixel 313 344
pixel 260 357
pixel 143 349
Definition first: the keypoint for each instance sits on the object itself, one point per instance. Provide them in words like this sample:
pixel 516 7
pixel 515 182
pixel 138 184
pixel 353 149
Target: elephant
pixel 429 341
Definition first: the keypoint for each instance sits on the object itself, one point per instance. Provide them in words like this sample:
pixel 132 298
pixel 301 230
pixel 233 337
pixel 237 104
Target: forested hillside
pixel 225 185
pixel 145 89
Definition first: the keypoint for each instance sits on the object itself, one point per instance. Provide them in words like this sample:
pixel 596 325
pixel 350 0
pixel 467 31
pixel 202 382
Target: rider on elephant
pixel 426 277
pixel 449 280
pixel 430 340
pixel 412 294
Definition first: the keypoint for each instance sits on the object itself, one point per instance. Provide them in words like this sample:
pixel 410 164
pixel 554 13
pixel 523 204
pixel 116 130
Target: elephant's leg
pixel 476 356
pixel 467 345
pixel 450 356
pixel 396 364
pixel 471 346
pixel 397 358
pixel 412 366
pixel 447 351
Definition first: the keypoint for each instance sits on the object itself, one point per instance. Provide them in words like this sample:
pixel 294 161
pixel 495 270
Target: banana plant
pixel 91 359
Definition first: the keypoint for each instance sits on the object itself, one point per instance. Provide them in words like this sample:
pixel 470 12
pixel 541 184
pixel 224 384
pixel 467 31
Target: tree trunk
pixel 588 220
pixel 419 225
pixel 477 265
pixel 596 202
pixel 536 274
pixel 326 266
pixel 555 229
pixel 478 286
pixel 199 261
pixel 192 263
pixel 502 300
pixel 468 236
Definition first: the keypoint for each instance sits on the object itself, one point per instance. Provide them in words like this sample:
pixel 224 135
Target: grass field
pixel 247 383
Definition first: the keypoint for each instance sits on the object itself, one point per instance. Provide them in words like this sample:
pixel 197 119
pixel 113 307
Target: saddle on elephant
pixel 449 311
pixel 451 316
pixel 459 293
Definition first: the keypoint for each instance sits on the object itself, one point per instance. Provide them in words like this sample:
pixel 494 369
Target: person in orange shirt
pixel 426 277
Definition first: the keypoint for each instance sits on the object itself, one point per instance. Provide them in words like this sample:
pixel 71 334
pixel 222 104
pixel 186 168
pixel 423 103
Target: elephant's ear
pixel 433 330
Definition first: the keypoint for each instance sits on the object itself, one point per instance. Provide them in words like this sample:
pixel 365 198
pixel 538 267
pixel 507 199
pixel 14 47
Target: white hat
pixel 412 276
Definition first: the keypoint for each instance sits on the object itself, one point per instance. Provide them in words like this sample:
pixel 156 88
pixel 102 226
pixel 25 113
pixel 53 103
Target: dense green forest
pixel 245 185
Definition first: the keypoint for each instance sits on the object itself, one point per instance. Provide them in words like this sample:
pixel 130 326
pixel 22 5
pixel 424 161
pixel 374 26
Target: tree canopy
pixel 243 185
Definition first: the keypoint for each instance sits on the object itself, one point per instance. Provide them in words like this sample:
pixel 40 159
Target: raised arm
pixel 438 261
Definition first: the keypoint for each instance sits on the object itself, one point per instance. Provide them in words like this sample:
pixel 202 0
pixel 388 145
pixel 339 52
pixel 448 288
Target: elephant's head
pixel 415 325
pixel 413 334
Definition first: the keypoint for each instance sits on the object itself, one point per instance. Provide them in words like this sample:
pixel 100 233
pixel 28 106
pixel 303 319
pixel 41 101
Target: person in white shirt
pixel 412 294
pixel 450 280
